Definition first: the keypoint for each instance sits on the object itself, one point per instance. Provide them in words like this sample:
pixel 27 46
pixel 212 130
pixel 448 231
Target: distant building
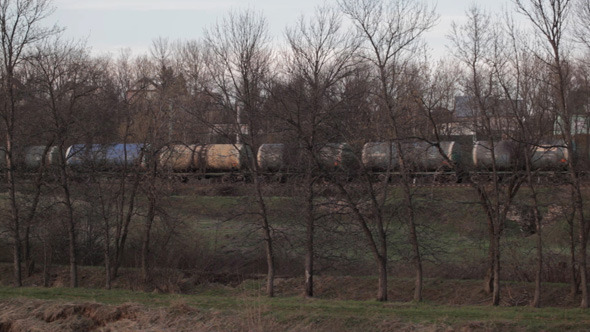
pixel 580 125
pixel 464 108
pixel 494 120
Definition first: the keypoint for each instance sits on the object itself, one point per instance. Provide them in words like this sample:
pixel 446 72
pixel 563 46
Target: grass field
pixel 219 285
pixel 241 311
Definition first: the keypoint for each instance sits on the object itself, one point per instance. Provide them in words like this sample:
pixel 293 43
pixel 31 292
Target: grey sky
pixel 110 25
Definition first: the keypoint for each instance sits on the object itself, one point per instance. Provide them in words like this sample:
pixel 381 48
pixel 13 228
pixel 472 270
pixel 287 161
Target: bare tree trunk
pixel 539 272
pixel 38 184
pixel 496 216
pixel 496 271
pixel 72 253
pixel 382 290
pixel 583 235
pixel 107 250
pixel 309 256
pixel 574 289
pixel 270 277
pixel 72 250
pixel 377 242
pixel 539 243
pixel 16 255
pixel 270 259
pixel 417 263
pixel 145 245
pixel 16 237
pixel 47 259
pixel 489 279
pixel 382 260
pixel 309 261
pixel 29 262
pixel 71 223
pixel 488 282
pixel 416 257
pixel 107 267
pixel 583 268
pixel 123 226
pixel 9 118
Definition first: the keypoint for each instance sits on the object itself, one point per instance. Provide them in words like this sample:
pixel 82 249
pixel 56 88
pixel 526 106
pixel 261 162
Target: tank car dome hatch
pixel 504 154
pixel 270 157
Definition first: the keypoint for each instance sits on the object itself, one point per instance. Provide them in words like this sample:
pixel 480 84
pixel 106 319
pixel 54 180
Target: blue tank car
pixel 106 155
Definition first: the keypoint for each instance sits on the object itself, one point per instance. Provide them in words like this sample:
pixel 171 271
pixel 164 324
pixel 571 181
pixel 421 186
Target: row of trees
pixel 355 72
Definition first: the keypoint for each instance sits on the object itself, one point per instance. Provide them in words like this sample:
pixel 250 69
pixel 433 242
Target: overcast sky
pixel 111 25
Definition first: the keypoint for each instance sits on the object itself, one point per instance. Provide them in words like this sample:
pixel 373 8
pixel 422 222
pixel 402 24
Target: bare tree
pixel 549 20
pixel 519 80
pixel 168 90
pixel 21 22
pixel 239 67
pixel 390 33
pixel 129 105
pixel 320 57
pixel 582 15
pixel 199 110
pixel 479 45
pixel 65 79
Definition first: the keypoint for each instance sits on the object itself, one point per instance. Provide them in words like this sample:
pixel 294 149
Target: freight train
pixel 375 157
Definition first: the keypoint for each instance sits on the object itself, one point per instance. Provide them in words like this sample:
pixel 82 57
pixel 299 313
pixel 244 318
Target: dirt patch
pixel 37 315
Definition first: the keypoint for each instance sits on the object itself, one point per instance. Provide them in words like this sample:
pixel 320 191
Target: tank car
pixel 550 156
pixel 505 154
pixel 211 157
pixel 271 157
pixel 183 158
pixel 227 157
pixel 106 155
pixel 380 156
pixel 422 156
pixel 34 156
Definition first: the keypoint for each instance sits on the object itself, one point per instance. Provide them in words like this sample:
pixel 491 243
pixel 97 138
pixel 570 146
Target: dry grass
pixel 244 308
pixel 20 315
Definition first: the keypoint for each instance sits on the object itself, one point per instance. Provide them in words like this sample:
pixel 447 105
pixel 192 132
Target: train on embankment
pixel 219 160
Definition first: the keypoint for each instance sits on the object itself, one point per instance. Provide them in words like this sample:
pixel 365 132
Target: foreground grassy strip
pixel 359 314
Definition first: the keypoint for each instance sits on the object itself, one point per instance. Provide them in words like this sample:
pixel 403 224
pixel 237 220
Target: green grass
pixel 453 229
pixel 287 310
